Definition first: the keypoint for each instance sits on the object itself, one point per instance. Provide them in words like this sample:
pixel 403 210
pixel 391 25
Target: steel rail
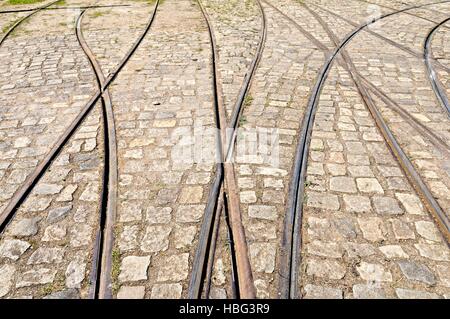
pixel 237 109
pixel 207 233
pixel 67 8
pixel 291 241
pixel 26 188
pixel 435 83
pixel 201 257
pixel 244 274
pixel 101 270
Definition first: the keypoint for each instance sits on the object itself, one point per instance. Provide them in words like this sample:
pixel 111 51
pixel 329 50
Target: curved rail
pixel 434 139
pixel 213 244
pixel 426 55
pixel 291 241
pixel 226 171
pixel 435 83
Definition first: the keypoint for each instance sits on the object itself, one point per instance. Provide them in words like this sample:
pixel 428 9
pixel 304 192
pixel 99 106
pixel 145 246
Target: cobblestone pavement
pixel 159 98
pixel 366 232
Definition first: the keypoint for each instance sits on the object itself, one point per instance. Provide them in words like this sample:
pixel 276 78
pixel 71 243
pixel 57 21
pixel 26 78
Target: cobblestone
pixel 393 251
pixel 415 294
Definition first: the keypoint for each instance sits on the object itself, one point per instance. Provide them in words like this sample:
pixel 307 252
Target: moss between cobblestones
pixel 22 29
pixel 23 1
pixel 115 270
pixel 290 102
pixel 33 243
pixel 259 193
